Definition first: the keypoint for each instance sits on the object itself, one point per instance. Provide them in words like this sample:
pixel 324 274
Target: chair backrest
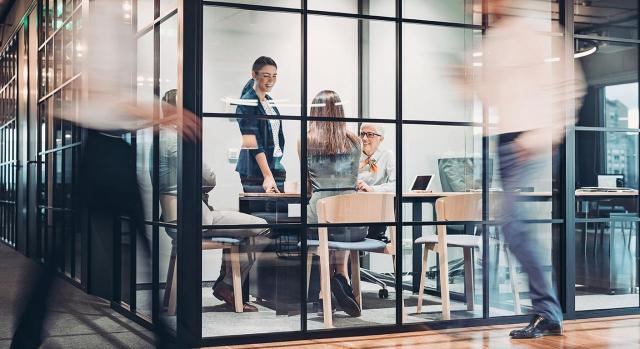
pixel 463 207
pixel 356 208
pixel 359 207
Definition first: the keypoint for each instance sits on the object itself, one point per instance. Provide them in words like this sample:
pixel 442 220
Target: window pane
pixel 275 3
pixel 144 11
pixel 606 159
pixel 449 156
pixel 372 7
pixel 233 195
pixel 230 49
pixel 508 282
pixel 431 90
pixel 611 73
pixel 606 263
pixel 335 63
pixel 423 266
pixel 618 18
pixel 167 5
pixel 458 11
pixel 168 55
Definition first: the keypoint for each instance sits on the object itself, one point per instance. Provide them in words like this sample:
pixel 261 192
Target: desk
pixel 417 200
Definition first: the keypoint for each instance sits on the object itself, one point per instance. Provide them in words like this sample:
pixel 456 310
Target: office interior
pixel 395 65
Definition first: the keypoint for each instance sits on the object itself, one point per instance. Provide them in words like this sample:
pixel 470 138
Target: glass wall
pixel 8 141
pixel 606 180
pixel 60 55
pixel 156 83
pixel 336 138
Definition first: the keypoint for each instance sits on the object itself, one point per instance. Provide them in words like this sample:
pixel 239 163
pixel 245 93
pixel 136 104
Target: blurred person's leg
pixel 253 243
pixel 520 238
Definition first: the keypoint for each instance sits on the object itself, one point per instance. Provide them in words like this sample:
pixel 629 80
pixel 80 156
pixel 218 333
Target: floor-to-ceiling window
pixel 606 156
pixel 60 53
pixel 8 141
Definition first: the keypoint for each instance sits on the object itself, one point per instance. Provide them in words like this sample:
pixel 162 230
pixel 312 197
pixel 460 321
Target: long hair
pixel 329 137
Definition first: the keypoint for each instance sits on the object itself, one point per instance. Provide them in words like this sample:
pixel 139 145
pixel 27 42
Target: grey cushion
pixel 452 240
pixel 230 241
pixel 365 245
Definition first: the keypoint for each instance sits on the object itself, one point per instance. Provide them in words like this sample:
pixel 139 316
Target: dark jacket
pixel 249 123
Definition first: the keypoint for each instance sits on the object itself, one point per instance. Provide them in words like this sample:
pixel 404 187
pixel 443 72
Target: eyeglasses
pixel 368 134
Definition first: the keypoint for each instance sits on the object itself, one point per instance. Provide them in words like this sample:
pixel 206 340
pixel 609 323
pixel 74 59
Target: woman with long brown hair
pixel 333 156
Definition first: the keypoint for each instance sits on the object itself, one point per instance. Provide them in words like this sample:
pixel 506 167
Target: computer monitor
pixel 610 180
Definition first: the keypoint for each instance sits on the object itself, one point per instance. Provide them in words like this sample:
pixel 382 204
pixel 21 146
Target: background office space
pixel 391 62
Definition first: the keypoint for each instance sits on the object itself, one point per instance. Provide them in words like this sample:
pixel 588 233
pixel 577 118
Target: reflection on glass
pixel 617 19
pixel 231 47
pixel 606 263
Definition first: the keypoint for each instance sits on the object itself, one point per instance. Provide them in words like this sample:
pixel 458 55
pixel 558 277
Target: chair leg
pixel 325 286
pixel 404 310
pixel 355 276
pixel 514 281
pixel 423 271
pixel 309 265
pixel 444 282
pixel 468 277
pixel 167 288
pixel 171 309
pixel 237 279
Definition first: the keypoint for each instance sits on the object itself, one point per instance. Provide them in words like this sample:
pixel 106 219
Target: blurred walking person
pixel 108 178
pixel 524 82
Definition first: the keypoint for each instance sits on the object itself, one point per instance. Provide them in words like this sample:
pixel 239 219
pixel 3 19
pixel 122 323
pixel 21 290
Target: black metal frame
pixel 189 274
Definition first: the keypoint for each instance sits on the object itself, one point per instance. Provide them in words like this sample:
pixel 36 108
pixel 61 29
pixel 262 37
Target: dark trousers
pixel 520 237
pixel 107 187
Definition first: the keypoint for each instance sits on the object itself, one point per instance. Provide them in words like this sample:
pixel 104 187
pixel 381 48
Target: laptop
pixel 422 184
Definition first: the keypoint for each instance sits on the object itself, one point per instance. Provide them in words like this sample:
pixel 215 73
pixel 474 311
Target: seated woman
pixel 168 186
pixel 333 155
pixel 377 170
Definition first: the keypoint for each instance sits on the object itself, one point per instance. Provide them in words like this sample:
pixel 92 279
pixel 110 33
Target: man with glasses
pixel 377 171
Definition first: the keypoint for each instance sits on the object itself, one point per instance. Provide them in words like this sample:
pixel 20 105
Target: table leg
pixel 417 252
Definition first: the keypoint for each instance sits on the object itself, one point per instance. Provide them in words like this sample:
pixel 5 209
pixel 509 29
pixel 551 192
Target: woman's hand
pixel 269 185
pixel 362 186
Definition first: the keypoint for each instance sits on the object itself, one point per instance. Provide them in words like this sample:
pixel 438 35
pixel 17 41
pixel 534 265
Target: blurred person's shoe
pixel 538 327
pixel 225 293
pixel 344 295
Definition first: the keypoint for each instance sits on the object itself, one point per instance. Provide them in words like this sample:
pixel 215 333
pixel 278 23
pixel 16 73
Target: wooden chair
pixel 169 205
pixel 360 207
pixel 458 208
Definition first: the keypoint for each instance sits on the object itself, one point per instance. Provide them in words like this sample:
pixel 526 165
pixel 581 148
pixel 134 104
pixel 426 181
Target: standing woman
pixel 333 157
pixel 262 137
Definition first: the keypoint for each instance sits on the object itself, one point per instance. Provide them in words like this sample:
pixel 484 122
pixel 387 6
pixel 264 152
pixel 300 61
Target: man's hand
pixel 362 186
pixel 269 185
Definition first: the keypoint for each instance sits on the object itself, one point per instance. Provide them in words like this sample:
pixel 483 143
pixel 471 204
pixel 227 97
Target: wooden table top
pixel 579 193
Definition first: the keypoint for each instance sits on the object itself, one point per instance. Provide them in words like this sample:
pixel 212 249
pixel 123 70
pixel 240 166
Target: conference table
pixel 417 200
